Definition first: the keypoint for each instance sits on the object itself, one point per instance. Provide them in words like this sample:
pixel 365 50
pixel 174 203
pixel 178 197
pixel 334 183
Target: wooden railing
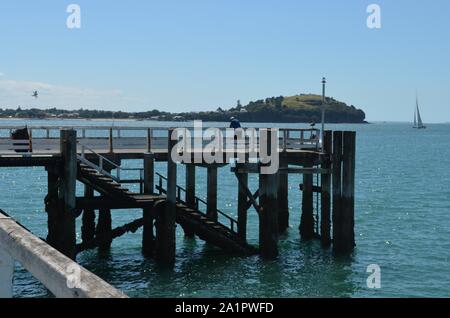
pixel 289 139
pixel 181 191
pixel 108 132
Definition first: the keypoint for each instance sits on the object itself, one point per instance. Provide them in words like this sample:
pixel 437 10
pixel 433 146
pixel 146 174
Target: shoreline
pixel 206 121
pixel 178 121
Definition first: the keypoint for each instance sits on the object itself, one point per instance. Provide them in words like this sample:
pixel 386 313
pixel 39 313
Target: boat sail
pixel 418 124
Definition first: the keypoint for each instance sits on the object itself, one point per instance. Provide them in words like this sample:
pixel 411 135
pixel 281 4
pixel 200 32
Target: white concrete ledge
pixel 62 276
pixel 6 274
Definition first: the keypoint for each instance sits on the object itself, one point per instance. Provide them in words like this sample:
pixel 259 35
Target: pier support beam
pixel 190 194
pixel 212 193
pixel 111 141
pixel 337 191
pixel 52 206
pixel 165 224
pixel 190 185
pixel 268 216
pixel 242 206
pixel 88 219
pixel 325 198
pixel 307 219
pixel 148 236
pixel 104 228
pixel 348 194
pixel 283 199
pixel 66 240
pixel 149 173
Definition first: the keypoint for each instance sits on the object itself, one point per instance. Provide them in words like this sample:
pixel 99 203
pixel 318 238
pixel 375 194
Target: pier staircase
pixel 96 174
pixel 101 182
pixel 211 231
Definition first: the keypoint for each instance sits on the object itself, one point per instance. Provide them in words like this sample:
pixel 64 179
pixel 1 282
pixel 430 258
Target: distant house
pixel 73 115
pixel 243 110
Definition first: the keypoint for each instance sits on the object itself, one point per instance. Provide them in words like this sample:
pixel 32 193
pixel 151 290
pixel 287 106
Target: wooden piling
pixel 212 192
pixel 348 194
pixel 337 189
pixel 283 199
pixel 268 216
pixel 104 228
pixel 149 140
pixel 111 141
pixel 52 206
pixel 325 197
pixel 66 216
pixel 148 236
pixel 149 173
pixel 88 219
pixel 242 206
pixel 165 225
pixel 190 185
pixel 190 194
pixel 307 219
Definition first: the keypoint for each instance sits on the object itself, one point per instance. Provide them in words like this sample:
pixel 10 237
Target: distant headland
pixel 303 108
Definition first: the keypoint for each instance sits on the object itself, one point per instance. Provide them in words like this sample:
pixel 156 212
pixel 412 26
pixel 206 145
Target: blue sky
pixel 198 55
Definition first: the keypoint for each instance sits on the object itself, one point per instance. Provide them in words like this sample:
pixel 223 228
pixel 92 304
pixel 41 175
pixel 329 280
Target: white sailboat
pixel 418 124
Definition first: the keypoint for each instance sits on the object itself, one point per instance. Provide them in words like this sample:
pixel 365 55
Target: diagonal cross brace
pixel 251 197
pixel 250 202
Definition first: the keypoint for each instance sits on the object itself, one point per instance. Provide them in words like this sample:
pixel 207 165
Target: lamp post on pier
pixel 322 137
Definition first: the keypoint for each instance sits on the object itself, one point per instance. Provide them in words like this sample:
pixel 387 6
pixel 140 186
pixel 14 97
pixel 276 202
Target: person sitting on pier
pixel 21 140
pixel 235 124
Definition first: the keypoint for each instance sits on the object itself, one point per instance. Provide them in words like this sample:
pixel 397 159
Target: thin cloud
pixel 13 93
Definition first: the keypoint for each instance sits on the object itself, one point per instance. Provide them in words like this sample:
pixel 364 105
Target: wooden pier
pixel 93 156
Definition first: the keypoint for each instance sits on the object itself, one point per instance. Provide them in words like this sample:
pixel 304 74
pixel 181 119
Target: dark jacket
pixel 235 124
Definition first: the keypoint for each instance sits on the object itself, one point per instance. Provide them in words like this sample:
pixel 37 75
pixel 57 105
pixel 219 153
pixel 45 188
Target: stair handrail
pixel 233 222
pixel 102 160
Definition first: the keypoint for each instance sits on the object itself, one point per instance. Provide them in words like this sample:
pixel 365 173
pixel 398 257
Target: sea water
pixel 402 225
